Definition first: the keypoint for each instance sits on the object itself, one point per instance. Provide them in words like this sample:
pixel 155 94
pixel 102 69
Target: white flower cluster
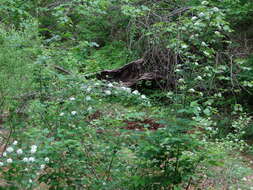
pixel 204 3
pixel 88 98
pixel 199 78
pixel 126 89
pixel 194 18
pixel 33 149
pixel 184 46
pixel 72 98
pixel 181 80
pixel 10 157
pixel 73 112
pixel 202 14
pixel 108 92
pixel 136 92
pixel 191 90
pixel 110 85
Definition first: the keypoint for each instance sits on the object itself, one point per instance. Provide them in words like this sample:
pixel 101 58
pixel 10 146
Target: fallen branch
pixel 62 70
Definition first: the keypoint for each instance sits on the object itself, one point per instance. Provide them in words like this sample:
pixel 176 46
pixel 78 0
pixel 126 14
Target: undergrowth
pixel 61 128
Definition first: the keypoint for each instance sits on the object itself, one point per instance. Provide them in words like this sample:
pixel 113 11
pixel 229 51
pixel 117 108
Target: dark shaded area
pixel 156 69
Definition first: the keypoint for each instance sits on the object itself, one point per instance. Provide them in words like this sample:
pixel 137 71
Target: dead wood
pixel 131 74
pixel 60 69
pixel 156 67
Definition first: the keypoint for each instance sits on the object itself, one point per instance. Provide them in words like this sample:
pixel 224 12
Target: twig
pixel 7 142
pixel 110 165
pixel 62 70
pixel 189 184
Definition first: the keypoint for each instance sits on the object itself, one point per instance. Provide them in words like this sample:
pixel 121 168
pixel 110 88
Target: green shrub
pixel 18 53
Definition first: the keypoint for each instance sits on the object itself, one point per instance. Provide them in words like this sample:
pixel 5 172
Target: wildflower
pixel 181 80
pixel 9 160
pixel 217 32
pixel 110 85
pixel 198 108
pixel 209 128
pixel 42 166
pixel 108 92
pixel 201 14
pixel 179 65
pixel 143 97
pixel 61 114
pixel 88 98
pixel 136 92
pixel 30 181
pixel 88 89
pixel 33 149
pixel 184 46
pixel 126 89
pixel 15 143
pixel 191 90
pixel 203 44
pixel 19 151
pixel 215 9
pixel 31 159
pixel 9 149
pixel 194 18
pixel 4 154
pixel 25 159
pixel 71 98
pixel 89 108
pixel 73 112
pixel 206 53
pixel 26 169
pixel 1 163
pixel 199 78
pixel 46 159
pixel 204 3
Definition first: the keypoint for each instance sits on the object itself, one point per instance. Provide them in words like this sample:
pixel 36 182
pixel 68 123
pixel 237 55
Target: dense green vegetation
pixel 62 128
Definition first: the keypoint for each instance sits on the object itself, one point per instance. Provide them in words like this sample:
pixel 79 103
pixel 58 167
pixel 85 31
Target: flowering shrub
pixel 63 129
pixel 22 167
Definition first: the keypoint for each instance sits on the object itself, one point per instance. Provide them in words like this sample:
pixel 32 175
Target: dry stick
pixel 189 184
pixel 231 71
pixel 110 165
pixel 58 68
pixel 7 142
